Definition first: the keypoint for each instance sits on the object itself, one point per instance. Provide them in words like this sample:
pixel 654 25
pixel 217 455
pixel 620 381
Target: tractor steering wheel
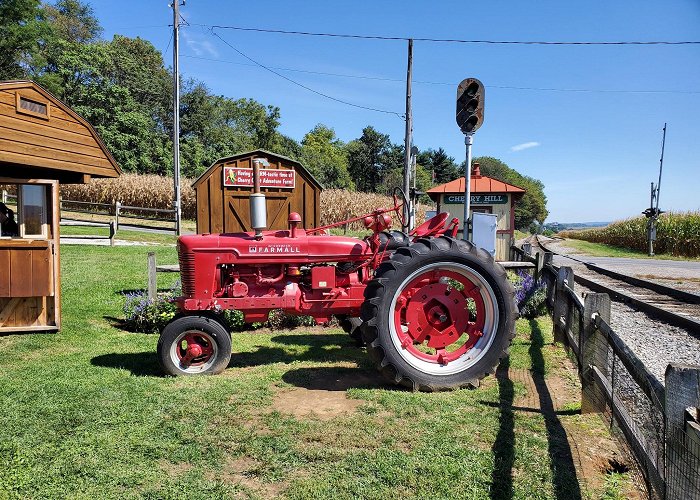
pixel 399 209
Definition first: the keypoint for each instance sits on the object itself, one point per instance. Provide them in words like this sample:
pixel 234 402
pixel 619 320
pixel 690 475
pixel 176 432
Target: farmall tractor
pixel 435 312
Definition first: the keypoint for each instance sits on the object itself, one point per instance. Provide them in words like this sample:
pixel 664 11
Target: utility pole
pixel 176 116
pixel 408 141
pixel 653 212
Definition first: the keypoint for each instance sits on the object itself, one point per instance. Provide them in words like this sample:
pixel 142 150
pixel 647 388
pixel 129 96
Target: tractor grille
pixel 187 273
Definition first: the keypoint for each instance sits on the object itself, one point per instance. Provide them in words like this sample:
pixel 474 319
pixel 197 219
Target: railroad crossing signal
pixel 470 105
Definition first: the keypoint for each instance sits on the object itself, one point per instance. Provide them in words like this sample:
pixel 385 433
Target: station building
pixel 488 195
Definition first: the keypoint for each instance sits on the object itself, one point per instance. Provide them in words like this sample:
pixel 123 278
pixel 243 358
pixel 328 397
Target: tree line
pixel 124 89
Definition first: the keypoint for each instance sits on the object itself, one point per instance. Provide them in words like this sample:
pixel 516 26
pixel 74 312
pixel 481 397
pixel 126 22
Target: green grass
pixel 603 250
pixel 87 414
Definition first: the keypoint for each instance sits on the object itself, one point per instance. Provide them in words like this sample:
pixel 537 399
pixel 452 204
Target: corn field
pixel 676 234
pixel 154 191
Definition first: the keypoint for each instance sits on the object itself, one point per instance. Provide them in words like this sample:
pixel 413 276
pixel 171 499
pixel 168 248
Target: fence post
pixel 111 233
pixel 152 281
pixel 561 302
pixel 117 209
pixel 4 196
pixel 538 266
pixel 682 456
pixel 594 352
pixel 527 248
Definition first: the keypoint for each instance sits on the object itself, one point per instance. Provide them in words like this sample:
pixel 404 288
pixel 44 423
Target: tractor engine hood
pixel 276 247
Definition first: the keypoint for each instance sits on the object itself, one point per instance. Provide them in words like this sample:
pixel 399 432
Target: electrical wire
pixel 398 80
pixel 368 108
pixel 449 40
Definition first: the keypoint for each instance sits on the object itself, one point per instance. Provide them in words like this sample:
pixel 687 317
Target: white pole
pixel 467 181
pixel 176 116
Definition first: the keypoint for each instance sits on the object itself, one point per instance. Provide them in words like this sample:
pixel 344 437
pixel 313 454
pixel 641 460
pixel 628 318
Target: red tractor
pixel 434 312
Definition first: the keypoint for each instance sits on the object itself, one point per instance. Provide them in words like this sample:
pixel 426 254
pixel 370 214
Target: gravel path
pixel 656 343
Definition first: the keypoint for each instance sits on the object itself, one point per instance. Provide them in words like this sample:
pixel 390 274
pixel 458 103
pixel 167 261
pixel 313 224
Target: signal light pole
pixel 470 115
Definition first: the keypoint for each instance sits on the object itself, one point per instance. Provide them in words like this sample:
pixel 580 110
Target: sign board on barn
pixel 269 178
pixel 223 191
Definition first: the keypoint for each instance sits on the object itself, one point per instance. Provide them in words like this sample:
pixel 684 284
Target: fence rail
pixel 658 421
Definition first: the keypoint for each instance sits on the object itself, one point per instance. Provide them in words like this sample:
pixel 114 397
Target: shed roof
pixel 478 184
pixel 256 153
pixel 48 161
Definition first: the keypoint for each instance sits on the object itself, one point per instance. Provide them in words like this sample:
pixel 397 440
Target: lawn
pixel 299 414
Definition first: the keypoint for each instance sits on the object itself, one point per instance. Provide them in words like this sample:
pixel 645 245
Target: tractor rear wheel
pixel 351 326
pixel 439 314
pixel 194 345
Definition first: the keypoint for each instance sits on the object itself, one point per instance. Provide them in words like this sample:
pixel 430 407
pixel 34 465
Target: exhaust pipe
pixel 258 205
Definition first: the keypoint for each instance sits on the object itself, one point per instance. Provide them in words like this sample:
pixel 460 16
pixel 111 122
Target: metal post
pixel 650 225
pixel 408 140
pixel 176 115
pixel 467 181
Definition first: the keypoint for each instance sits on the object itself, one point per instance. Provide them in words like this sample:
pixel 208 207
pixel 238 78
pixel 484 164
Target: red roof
pixel 478 184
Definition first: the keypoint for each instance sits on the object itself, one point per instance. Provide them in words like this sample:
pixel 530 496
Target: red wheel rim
pixel 431 317
pixel 194 350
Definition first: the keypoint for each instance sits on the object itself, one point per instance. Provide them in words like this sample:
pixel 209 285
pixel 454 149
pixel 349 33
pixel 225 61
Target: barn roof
pixel 257 153
pixel 44 158
pixel 478 184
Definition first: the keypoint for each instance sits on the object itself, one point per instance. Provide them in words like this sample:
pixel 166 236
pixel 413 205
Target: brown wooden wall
pixel 226 209
pixel 59 141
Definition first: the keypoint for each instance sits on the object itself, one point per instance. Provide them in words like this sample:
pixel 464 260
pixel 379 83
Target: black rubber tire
pixel 390 275
pixel 210 327
pixel 351 326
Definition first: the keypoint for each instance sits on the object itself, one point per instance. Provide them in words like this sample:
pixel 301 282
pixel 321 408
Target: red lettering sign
pixel 269 178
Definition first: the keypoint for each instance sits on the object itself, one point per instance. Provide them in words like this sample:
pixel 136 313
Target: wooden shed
pixel 486 195
pixel 42 143
pixel 223 191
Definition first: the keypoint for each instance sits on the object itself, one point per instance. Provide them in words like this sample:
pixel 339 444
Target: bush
pixel 278 319
pixel 531 296
pixel 144 315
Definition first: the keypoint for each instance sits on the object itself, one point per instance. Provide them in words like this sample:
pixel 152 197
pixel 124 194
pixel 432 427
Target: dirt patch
pixel 175 469
pixel 243 471
pixel 322 392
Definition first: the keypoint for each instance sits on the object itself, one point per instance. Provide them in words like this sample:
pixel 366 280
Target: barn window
pixel 31 106
pixel 33 211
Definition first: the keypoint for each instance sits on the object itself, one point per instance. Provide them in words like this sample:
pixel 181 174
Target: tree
pixel 73 21
pixel 326 157
pixel 366 158
pixel 22 27
pixel 533 205
pixel 442 166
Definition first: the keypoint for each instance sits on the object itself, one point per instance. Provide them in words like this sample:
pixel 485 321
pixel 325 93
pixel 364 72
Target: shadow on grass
pixel 503 448
pixel 324 348
pixel 560 457
pixel 336 379
pixel 141 364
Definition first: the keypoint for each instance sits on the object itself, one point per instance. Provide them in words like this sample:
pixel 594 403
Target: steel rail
pixel 687 297
pixel 683 321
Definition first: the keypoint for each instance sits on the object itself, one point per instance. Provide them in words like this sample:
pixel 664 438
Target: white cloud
pixel 524 145
pixel 200 46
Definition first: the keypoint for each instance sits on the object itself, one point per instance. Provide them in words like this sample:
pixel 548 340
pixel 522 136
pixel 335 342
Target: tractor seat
pixel 431 227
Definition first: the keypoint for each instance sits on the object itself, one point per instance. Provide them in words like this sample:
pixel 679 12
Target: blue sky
pixel 596 152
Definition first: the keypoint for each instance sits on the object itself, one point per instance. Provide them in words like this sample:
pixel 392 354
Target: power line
pixel 304 86
pixel 449 40
pixel 503 87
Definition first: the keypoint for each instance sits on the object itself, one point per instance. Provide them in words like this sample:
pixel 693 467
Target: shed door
pixel 238 212
pixel 29 262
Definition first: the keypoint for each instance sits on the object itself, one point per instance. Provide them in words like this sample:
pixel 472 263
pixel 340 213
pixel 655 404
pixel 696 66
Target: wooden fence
pixel 658 421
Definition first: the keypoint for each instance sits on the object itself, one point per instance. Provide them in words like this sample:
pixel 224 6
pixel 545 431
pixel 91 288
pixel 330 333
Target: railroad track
pixel 673 306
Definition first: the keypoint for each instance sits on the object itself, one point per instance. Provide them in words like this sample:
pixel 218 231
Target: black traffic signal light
pixel 470 105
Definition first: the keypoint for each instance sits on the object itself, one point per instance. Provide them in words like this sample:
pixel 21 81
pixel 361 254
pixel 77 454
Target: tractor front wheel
pixel 440 314
pixel 194 345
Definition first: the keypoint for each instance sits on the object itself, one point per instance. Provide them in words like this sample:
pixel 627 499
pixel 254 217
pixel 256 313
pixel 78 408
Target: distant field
pixel 677 234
